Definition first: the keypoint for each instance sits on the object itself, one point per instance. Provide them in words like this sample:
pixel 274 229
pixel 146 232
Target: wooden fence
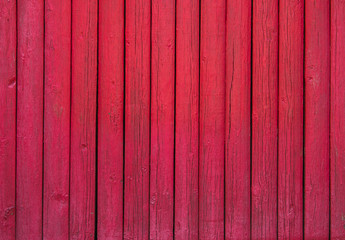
pixel 164 119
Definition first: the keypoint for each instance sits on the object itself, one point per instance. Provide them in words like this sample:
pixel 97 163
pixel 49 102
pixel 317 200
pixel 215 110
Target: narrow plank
pixel 290 138
pixel 187 120
pixel 337 120
pixel 317 107
pixel 110 119
pixel 237 119
pixel 162 119
pixel 56 118
pixel 83 119
pixel 7 119
pixel 264 119
pixel 212 120
pixel 30 30
pixel 137 119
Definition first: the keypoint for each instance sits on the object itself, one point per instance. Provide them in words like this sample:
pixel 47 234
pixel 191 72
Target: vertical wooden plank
pixel 110 119
pixel 83 119
pixel 187 120
pixel 238 115
pixel 290 155
pixel 29 119
pixel 162 119
pixel 137 119
pixel 212 121
pixel 56 118
pixel 264 119
pixel 8 80
pixel 317 107
pixel 337 119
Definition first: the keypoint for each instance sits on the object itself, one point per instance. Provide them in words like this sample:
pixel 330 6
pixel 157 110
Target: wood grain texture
pixel 187 120
pixel 337 120
pixel 264 119
pixel 56 119
pixel 8 81
pixel 237 119
pixel 83 119
pixel 162 119
pixel 317 108
pixel 212 119
pixel 30 30
pixel 137 120
pixel 110 119
pixel 290 138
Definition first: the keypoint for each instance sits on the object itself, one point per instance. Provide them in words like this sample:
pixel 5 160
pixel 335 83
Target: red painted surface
pixel 8 82
pixel 162 119
pixel 30 44
pixel 212 120
pixel 290 138
pixel 237 119
pixel 57 65
pixel 187 120
pixel 337 214
pixel 83 119
pixel 317 119
pixel 264 120
pixel 110 119
pixel 137 120
pixel 172 119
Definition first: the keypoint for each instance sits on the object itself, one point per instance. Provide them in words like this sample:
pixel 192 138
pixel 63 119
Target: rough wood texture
pixel 56 119
pixel 30 30
pixel 290 155
pixel 8 81
pixel 110 119
pixel 83 119
pixel 212 120
pixel 187 120
pixel 317 107
pixel 237 119
pixel 264 119
pixel 162 119
pixel 137 120
pixel 337 120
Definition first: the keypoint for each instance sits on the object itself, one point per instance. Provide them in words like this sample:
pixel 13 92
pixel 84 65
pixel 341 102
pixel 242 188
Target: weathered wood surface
pixel 167 119
pixel 290 137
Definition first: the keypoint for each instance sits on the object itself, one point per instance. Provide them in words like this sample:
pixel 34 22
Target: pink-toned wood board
pixel 187 120
pixel 110 119
pixel 162 119
pixel 83 120
pixel 264 120
pixel 317 120
pixel 238 119
pixel 212 119
pixel 290 137
pixel 57 78
pixel 29 171
pixel 8 81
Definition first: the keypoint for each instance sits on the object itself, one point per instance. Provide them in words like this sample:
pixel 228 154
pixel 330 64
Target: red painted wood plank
pixel 264 119
pixel 162 119
pixel 317 91
pixel 8 80
pixel 212 120
pixel 290 138
pixel 30 30
pixel 187 120
pixel 110 119
pixel 56 118
pixel 237 119
pixel 137 119
pixel 337 120
pixel 83 119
